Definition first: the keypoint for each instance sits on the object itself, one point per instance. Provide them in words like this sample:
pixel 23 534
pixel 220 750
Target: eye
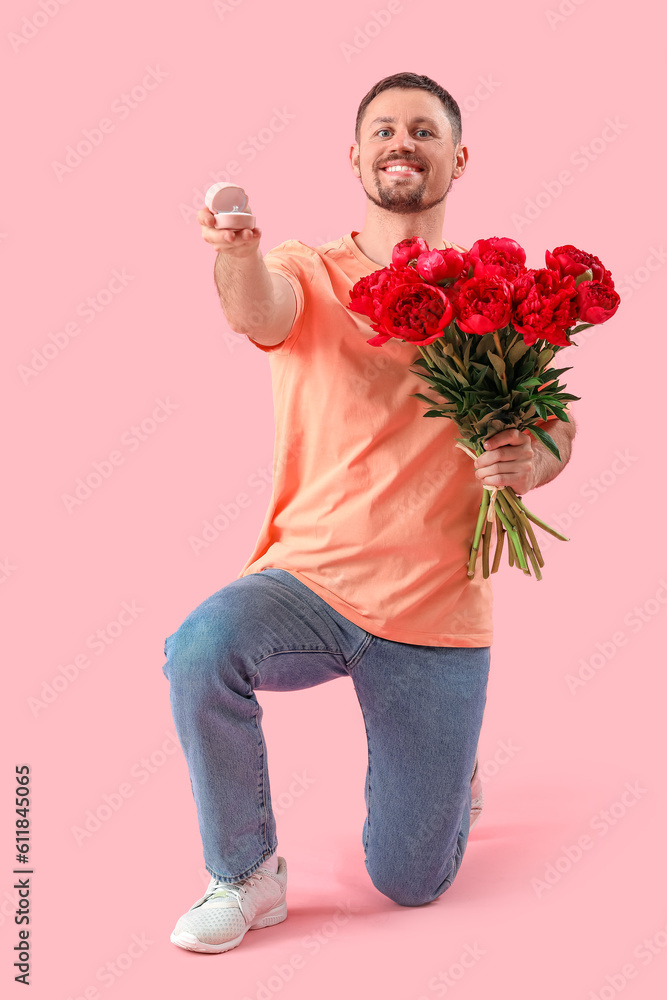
pixel 424 130
pixel 383 130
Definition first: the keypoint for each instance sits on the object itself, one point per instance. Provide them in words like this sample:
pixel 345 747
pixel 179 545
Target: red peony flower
pixel 367 293
pixel 500 256
pixel 407 250
pixel 570 260
pixel 440 265
pixel 417 313
pixel 545 306
pixel 482 305
pixel 596 301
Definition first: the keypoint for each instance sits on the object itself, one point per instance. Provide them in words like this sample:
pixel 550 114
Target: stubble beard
pixel 403 202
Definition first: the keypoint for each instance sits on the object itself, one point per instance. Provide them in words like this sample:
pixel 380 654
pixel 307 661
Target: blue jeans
pixel 422 707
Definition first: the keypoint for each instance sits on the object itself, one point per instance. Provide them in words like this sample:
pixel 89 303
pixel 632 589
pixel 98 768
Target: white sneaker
pixel 477 790
pixel 219 920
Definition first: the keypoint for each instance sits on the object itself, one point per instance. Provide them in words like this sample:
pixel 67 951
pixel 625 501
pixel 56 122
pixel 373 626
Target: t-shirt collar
pixel 369 264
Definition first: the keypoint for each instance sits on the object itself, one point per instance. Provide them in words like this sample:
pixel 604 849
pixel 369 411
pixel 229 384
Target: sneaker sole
pixel 192 943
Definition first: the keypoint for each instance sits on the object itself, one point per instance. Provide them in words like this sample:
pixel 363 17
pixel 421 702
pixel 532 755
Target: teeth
pixel 411 169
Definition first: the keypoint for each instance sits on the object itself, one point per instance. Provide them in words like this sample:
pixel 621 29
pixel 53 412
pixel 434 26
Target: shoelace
pixel 229 889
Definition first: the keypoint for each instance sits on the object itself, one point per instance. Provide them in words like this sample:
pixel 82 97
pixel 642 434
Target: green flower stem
pixel 520 538
pixel 510 551
pixel 518 506
pixel 525 544
pixel 500 538
pixel 483 508
pixel 512 537
pixel 486 545
pixel 542 524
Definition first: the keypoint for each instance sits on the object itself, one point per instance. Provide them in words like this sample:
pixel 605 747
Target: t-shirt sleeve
pixel 294 260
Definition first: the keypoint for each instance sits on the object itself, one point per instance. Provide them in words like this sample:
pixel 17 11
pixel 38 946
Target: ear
pixel 460 160
pixel 354 160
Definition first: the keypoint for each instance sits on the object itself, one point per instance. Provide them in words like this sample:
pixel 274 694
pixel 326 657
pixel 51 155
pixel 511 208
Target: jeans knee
pixel 206 649
pixel 407 893
pixel 411 888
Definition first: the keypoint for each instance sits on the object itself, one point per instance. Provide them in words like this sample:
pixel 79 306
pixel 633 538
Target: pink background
pixel 537 88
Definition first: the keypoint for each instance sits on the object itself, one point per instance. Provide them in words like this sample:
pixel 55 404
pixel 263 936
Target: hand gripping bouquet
pixel 487 328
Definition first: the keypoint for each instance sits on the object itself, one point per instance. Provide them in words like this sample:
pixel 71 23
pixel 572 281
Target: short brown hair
pixel 408 80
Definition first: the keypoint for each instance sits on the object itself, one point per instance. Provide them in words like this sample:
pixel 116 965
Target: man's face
pixel 407 128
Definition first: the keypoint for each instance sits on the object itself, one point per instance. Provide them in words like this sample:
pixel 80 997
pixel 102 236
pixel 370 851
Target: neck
pixel 384 229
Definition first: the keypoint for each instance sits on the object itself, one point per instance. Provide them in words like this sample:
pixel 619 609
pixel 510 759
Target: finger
pixel 206 217
pixel 506 469
pixel 506 453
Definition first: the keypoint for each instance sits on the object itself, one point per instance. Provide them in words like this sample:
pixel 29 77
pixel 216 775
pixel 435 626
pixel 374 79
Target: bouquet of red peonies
pixel 487 328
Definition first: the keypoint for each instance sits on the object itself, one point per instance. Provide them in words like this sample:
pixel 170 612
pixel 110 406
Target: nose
pixel 403 140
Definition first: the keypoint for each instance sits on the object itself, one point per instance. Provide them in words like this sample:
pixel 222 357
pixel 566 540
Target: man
pixel 360 569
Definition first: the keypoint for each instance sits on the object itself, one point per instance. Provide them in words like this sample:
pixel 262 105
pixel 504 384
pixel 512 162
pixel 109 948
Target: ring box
pixel 228 203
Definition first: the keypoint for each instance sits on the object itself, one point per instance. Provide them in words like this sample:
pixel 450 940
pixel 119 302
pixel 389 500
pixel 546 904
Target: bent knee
pixel 409 891
pixel 409 895
pixel 207 644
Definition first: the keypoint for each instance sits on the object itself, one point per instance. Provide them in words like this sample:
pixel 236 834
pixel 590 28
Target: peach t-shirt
pixel 373 508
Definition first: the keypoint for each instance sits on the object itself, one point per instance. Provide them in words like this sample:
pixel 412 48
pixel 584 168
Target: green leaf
pixel 420 395
pixel 546 440
pixel 486 343
pixel 586 276
pixel 497 363
pixel 517 351
pixel 578 329
pixel 433 413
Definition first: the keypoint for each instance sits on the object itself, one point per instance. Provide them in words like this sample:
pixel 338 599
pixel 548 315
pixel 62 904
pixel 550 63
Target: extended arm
pixel 255 301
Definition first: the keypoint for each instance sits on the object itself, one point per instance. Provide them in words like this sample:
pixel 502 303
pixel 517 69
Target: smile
pixel 401 169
